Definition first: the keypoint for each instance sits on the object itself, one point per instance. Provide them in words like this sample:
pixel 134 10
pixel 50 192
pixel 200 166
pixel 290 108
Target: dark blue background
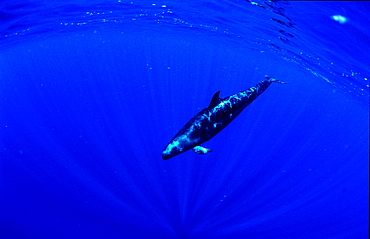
pixel 85 117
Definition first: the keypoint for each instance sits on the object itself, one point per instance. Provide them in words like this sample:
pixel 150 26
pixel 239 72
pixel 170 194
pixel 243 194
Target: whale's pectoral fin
pixel 274 80
pixel 215 100
pixel 201 150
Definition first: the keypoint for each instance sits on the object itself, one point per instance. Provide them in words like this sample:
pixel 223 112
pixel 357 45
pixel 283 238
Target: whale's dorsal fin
pixel 215 100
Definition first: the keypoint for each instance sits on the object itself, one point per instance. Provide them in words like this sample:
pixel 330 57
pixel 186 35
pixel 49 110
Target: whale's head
pixel 175 147
pixel 178 145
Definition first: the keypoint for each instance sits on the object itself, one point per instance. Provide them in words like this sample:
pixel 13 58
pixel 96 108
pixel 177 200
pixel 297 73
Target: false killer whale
pixel 211 120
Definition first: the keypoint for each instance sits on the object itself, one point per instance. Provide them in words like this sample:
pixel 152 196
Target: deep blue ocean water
pixel 92 91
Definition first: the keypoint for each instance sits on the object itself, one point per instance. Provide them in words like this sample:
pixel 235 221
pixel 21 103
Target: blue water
pixel 92 91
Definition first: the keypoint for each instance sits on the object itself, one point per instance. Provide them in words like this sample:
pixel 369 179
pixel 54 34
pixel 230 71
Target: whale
pixel 211 120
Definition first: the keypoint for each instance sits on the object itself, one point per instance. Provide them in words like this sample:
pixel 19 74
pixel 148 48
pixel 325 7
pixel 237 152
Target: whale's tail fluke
pixel 274 80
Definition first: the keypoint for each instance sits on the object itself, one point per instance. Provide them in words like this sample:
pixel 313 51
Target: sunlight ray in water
pixel 91 94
